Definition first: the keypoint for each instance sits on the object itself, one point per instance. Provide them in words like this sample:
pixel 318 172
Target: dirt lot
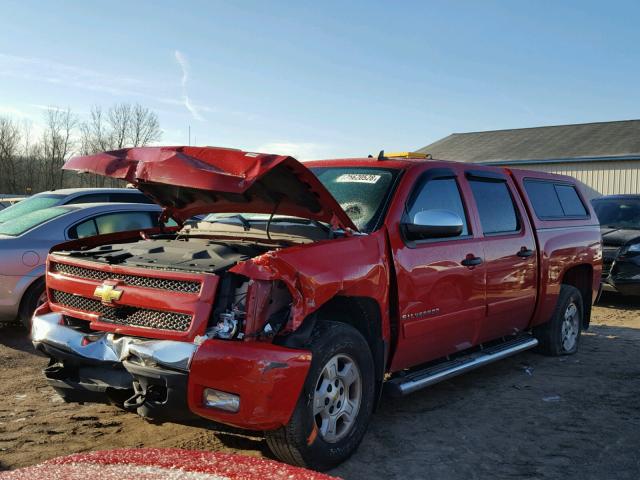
pixel 527 417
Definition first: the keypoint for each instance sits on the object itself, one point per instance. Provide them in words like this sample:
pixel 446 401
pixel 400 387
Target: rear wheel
pixel 336 402
pixel 561 334
pixel 32 299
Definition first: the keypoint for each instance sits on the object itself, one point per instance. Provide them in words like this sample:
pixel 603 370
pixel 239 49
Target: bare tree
pixel 144 126
pixel 32 174
pixel 120 122
pixel 57 143
pixel 9 146
pixel 95 134
pixel 29 165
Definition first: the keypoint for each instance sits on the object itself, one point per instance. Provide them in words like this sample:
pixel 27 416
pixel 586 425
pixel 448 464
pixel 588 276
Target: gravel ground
pixel 529 416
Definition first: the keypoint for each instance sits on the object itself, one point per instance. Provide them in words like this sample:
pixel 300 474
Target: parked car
pixel 619 217
pixel 313 288
pixel 25 243
pixel 72 196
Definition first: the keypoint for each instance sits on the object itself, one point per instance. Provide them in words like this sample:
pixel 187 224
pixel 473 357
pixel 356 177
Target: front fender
pixel 355 266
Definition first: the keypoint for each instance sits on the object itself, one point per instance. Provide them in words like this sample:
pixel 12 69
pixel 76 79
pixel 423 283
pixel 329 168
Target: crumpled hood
pixel 188 181
pixel 616 237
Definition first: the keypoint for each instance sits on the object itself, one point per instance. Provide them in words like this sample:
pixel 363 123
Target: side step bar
pixel 419 379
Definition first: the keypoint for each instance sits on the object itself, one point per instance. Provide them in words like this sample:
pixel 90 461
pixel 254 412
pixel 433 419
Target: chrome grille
pixel 185 286
pixel 124 315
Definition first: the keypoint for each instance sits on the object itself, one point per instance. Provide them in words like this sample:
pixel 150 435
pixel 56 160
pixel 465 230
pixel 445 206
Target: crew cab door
pixel 441 301
pixel 510 254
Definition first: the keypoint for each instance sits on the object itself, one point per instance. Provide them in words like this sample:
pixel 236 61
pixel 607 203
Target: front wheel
pixel 561 334
pixel 336 402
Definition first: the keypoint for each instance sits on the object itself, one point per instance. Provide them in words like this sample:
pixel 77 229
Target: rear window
pixel 31 220
pixel 32 204
pixel 554 201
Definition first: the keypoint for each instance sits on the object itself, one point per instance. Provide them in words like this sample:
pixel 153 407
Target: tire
pixel 561 334
pixel 31 300
pixel 307 441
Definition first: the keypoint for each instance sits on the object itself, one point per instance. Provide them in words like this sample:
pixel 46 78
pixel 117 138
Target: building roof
pixel 599 141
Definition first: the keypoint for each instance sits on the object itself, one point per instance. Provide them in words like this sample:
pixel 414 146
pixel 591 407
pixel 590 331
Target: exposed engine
pixel 174 253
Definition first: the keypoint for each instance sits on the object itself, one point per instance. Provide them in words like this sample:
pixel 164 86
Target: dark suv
pixel 619 217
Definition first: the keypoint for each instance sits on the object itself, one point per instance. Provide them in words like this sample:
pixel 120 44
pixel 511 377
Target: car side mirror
pixel 433 224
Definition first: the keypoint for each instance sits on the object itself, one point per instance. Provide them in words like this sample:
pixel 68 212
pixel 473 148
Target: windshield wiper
pixel 308 221
pixel 245 223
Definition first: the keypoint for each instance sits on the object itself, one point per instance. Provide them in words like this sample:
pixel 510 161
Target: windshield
pixel 361 191
pixel 618 213
pixel 32 204
pixel 26 222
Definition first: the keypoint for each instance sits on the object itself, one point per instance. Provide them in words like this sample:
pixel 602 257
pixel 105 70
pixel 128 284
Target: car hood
pixel 188 181
pixel 616 237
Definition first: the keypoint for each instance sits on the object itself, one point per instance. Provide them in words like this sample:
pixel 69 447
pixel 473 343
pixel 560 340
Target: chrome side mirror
pixel 434 224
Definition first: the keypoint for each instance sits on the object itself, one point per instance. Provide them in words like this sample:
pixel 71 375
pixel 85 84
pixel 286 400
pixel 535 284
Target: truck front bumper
pixel 166 380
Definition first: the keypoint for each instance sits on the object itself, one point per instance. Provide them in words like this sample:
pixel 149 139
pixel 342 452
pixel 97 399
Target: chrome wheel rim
pixel 570 327
pixel 337 398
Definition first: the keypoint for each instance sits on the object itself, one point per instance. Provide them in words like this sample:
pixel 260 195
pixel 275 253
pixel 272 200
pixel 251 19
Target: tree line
pixel 32 163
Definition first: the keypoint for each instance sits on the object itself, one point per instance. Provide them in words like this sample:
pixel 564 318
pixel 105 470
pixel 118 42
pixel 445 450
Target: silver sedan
pixel 26 241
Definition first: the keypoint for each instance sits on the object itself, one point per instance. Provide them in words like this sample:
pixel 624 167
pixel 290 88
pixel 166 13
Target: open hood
pixel 188 181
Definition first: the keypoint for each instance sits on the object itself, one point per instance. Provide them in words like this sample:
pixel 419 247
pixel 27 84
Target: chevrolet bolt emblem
pixel 107 293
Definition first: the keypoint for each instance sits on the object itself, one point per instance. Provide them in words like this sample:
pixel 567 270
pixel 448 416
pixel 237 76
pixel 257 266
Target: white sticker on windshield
pixel 358 178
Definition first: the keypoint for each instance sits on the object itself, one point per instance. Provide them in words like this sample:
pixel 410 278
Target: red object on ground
pixel 165 464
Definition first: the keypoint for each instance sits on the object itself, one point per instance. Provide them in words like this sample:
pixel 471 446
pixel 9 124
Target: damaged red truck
pixel 309 289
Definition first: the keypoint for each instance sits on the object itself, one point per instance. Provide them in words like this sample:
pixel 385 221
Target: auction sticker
pixel 358 178
pixel 162 464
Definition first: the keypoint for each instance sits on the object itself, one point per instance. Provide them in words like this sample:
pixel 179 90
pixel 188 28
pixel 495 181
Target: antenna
pixel 381 155
pixel 189 135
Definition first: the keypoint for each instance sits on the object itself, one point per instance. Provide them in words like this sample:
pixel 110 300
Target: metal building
pixel 605 156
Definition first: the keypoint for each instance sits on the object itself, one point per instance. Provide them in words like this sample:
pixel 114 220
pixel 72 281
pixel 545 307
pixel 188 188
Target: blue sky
pixel 325 79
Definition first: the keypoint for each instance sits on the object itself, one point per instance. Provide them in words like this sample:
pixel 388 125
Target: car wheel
pixel 561 335
pixel 32 299
pixel 334 408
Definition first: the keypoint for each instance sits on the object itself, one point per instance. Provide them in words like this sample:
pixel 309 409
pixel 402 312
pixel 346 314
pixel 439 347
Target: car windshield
pixel 29 205
pixel 18 226
pixel 361 192
pixel 618 212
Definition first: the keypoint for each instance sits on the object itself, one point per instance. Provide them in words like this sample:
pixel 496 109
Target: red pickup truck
pixel 307 290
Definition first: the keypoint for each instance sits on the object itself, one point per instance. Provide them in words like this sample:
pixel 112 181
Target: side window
pixel 122 221
pixel 495 207
pixel 570 201
pixel 92 198
pixel 440 194
pixel 85 229
pixel 554 200
pixel 544 199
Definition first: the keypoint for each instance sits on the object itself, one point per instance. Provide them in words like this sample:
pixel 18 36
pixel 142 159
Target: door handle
pixel 525 252
pixel 471 261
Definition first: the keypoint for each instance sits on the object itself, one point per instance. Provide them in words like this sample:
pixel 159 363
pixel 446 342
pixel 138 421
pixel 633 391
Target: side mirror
pixel 434 224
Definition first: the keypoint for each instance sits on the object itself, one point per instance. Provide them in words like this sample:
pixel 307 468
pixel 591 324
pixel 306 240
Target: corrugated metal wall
pixel 608 178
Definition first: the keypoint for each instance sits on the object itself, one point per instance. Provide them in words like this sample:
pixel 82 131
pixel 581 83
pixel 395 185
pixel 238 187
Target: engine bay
pixel 174 253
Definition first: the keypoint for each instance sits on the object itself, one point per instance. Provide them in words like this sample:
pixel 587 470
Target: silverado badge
pixel 107 293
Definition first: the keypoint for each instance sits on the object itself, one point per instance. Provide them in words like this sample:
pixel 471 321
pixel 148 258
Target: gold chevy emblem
pixel 107 293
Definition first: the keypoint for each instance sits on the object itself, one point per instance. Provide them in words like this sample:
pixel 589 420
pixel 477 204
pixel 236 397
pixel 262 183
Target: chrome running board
pixel 416 380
